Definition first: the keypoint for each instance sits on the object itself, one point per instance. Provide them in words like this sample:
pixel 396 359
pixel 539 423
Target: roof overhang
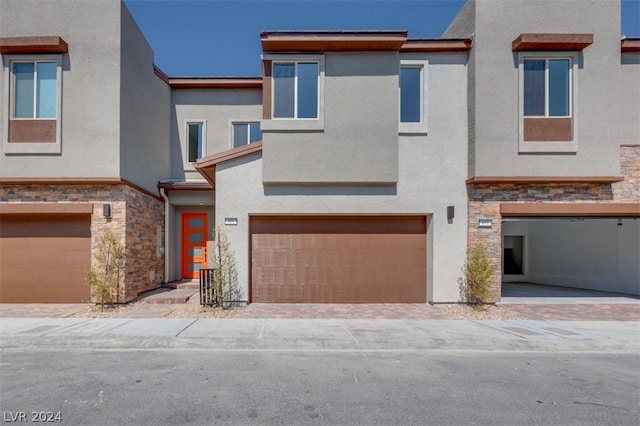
pixel 437 45
pixel 550 41
pixel 185 186
pixel 206 166
pixel 332 41
pixel 570 209
pixel 35 44
pixel 215 83
pixel 479 180
pixel 630 44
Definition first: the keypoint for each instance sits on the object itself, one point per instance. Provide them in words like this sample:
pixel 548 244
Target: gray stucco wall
pixel 494 86
pixel 629 116
pixel 358 143
pixel 218 108
pixel 144 111
pixel 430 171
pixel 90 85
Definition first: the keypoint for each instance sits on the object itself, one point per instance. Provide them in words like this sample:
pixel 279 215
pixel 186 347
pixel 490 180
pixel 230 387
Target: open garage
pixel 586 252
pixel 338 259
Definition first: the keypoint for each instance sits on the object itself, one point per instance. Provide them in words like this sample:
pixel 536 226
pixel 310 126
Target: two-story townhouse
pixel 85 130
pixel 554 128
pixel 356 192
pixel 355 169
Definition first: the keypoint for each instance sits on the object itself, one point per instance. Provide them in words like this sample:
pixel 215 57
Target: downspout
pixel 166 235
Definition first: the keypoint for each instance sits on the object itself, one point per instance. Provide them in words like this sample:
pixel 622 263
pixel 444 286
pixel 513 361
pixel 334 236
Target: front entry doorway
pixel 194 244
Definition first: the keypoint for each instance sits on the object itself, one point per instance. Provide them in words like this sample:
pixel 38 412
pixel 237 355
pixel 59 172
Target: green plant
pixel 226 275
pixel 104 277
pixel 477 274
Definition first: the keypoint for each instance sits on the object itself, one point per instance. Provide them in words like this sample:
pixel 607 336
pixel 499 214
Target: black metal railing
pixel 208 295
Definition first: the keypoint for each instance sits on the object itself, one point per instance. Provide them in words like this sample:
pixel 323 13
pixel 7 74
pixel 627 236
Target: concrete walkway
pixel 320 334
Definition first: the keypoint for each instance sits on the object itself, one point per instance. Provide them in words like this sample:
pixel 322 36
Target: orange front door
pixel 194 244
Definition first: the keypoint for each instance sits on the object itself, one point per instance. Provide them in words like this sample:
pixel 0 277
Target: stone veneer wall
pixel 135 218
pixel 485 199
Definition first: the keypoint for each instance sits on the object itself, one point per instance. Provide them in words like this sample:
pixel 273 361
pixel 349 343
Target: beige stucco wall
pixel 90 85
pixel 358 143
pixel 144 111
pixel 218 109
pixel 431 171
pixel 494 88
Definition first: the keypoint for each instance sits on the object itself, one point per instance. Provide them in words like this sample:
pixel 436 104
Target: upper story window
pixel 548 101
pixel 246 133
pixel 33 103
pixel 195 140
pixel 547 87
pixel 413 96
pixel 295 90
pixel 35 89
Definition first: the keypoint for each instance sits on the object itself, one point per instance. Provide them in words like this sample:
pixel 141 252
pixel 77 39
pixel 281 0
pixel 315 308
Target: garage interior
pixel 571 257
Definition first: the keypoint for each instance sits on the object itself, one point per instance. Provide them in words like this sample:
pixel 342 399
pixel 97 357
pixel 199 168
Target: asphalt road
pixel 159 386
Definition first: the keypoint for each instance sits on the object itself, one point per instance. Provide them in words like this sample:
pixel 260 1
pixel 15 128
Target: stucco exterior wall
pixel 429 171
pixel 496 91
pixel 218 108
pixel 359 141
pixel 144 111
pixel 90 85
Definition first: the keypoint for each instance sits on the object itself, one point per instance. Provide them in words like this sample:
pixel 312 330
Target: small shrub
pixel 477 276
pixel 104 278
pixel 226 274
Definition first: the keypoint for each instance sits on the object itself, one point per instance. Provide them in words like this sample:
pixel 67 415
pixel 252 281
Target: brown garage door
pixel 338 259
pixel 43 258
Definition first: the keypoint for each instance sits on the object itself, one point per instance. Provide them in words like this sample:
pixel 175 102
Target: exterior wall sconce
pixel 450 213
pixel 485 223
pixel 231 221
pixel 106 211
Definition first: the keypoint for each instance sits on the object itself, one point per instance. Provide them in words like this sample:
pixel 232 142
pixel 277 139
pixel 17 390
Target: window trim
pixel 240 121
pixel 34 147
pixel 419 127
pixel 287 123
pixel 191 164
pixel 549 146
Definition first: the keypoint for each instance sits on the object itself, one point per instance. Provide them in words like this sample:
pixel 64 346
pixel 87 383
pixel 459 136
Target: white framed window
pixel 297 93
pixel 296 89
pixel 547 87
pixel 195 137
pixel 548 101
pixel 412 93
pixel 32 104
pixel 35 89
pixel 245 133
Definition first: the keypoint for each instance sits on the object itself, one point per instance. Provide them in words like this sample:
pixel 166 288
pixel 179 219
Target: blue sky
pixel 222 37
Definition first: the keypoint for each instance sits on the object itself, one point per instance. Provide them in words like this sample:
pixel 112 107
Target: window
pixel 547 87
pixel 295 90
pixel 413 96
pixel 246 133
pixel 35 89
pixel 195 141
pixel 32 99
pixel 548 101
pixel 410 94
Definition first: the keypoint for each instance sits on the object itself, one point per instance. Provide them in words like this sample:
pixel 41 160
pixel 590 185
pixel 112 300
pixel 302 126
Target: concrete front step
pixel 185 284
pixel 181 295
